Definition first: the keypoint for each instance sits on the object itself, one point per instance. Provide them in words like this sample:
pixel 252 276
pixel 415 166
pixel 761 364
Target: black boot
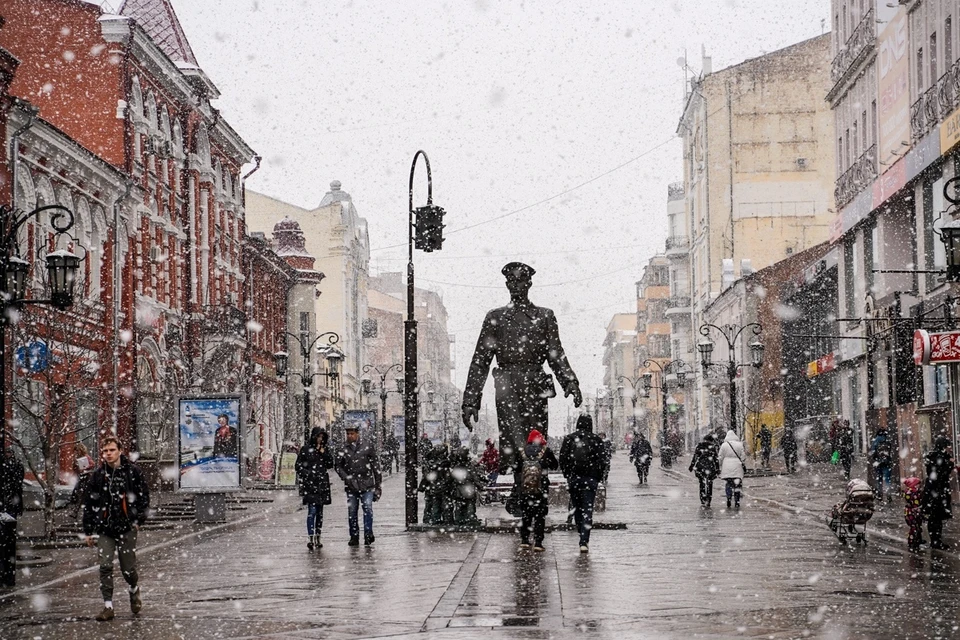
pixel 354 542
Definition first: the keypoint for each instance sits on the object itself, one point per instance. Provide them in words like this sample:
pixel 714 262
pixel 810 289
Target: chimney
pixel 707 65
pixel 746 267
pixel 726 274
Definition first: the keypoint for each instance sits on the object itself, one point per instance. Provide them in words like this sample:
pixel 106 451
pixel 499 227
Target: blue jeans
pixel 882 476
pixel 314 518
pixel 354 500
pixel 583 493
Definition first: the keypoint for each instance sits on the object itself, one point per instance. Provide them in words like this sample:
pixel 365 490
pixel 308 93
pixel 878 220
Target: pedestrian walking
pixel 641 454
pixel 705 466
pixel 844 446
pixel 533 487
pixel 607 456
pixel 765 436
pixel 115 508
pixel 732 467
pixel 583 462
pixel 358 467
pixel 913 512
pixel 313 463
pixel 11 508
pixel 937 504
pixel 881 457
pixel 490 462
pixel 788 444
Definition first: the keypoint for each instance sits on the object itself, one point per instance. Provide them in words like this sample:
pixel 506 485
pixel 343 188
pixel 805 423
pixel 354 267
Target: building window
pixel 658 346
pixel 933 249
pixel 864 132
pixel 933 58
pixel 919 71
pixel 849 277
pixel 941 384
pixel 856 141
pixel 873 121
pixel 304 328
pixel 870 250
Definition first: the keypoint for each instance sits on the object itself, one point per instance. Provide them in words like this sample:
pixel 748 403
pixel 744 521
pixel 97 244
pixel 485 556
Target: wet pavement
pixel 676 571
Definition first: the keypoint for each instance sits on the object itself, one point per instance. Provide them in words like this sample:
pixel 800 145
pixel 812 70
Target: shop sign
pixel 936 348
pixel 823 364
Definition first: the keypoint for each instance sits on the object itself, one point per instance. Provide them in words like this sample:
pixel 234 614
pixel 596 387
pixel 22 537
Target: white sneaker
pixel 584 548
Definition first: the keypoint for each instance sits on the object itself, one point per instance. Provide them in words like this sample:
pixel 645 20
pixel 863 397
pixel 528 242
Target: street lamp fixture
pixel 62 268
pixel 641 386
pixel 730 333
pixel 367 385
pixel 333 355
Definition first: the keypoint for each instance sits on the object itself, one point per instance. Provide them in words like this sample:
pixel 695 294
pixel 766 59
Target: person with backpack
pixel 583 462
pixel 312 466
pixel 114 509
pixel 732 466
pixel 881 457
pixel 533 486
pixel 641 453
pixel 706 467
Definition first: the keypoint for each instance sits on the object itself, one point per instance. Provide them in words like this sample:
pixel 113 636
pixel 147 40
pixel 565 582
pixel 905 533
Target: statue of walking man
pixel 522 336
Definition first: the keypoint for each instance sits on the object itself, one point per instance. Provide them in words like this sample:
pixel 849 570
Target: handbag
pixel 835 458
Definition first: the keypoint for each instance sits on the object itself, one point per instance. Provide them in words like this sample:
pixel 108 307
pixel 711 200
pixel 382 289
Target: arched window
pixel 150 111
pixel 83 229
pixel 98 237
pixel 136 99
pixel 164 123
pixel 217 177
pixel 177 137
pixel 203 146
pixel 26 190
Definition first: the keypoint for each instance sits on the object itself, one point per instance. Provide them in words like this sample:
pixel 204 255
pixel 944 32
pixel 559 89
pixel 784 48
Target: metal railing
pixel 857 178
pixel 854 49
pixel 678 242
pixel 678 302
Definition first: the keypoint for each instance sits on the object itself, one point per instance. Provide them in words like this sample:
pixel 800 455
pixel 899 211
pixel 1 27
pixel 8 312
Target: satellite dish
pixel 681 62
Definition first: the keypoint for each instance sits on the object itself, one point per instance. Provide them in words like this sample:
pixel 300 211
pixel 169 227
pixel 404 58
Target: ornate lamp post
pixel 367 385
pixel 426 225
pixel 333 356
pixel 674 367
pixel 730 333
pixel 62 267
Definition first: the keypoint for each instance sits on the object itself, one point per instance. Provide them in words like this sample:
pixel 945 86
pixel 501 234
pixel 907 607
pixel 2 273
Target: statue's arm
pixel 480 365
pixel 557 359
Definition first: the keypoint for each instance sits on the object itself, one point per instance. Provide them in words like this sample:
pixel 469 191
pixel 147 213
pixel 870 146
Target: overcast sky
pixel 550 128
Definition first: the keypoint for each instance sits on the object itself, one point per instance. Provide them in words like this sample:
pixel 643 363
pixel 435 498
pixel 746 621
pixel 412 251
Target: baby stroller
pixel 849 518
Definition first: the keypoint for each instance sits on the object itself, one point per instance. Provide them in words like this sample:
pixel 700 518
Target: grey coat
pixel 358 467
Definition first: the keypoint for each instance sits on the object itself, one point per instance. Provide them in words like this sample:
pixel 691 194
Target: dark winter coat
pixel 11 486
pixel 766 438
pixel 465 479
pixel 358 467
pixel 937 503
pixel 788 442
pixel 436 470
pixel 881 450
pixel 704 463
pixel 583 454
pixel 312 467
pixel 116 500
pixel 641 452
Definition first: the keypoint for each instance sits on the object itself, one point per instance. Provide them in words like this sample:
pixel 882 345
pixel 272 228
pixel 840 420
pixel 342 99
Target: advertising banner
pixel 365 421
pixel 209 443
pixel 398 425
pixel 893 79
pixel 434 430
pixel 936 348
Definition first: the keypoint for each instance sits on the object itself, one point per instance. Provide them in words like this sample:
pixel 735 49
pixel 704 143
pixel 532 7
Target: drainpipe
pixel 115 408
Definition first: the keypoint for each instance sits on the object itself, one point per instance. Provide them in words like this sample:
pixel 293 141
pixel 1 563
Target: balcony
pixel 935 104
pixel 677 305
pixel 858 177
pixel 853 52
pixel 677 246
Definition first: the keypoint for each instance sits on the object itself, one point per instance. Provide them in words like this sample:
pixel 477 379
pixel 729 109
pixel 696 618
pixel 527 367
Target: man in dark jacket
pixel 115 508
pixel 358 467
pixel 789 445
pixel 706 467
pixel 584 463
pixel 766 444
pixel 641 453
pixel 881 456
pixel 11 507
pixel 312 465
pixel 937 505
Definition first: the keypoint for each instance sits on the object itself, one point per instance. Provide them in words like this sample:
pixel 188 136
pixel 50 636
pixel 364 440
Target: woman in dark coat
pixel 706 467
pixel 312 465
pixel 937 505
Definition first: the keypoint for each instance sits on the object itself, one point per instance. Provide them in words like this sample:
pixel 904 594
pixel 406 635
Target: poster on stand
pixel 434 430
pixel 209 443
pixel 399 430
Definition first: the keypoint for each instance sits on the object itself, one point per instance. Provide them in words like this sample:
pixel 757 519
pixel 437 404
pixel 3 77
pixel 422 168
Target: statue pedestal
pixel 211 507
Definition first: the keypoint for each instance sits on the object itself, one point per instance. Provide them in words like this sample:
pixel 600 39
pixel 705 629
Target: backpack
pixel 580 456
pixel 531 477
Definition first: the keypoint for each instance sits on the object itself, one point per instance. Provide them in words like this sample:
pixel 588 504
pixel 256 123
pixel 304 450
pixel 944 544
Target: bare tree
pixel 57 390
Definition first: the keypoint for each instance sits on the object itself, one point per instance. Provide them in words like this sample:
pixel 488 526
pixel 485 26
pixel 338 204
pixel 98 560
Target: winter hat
pixel 317 432
pixel 536 437
pixel 585 423
pixel 941 443
pixel 489 442
pixel 912 484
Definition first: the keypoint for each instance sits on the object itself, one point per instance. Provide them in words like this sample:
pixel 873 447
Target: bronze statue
pixel 522 336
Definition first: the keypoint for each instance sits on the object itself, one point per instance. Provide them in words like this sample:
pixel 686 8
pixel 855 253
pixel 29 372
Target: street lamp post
pixel 62 267
pixel 730 333
pixel 428 230
pixel 367 383
pixel 645 380
pixel 306 377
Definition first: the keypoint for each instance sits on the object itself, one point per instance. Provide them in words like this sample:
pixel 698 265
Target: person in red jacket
pixel 490 462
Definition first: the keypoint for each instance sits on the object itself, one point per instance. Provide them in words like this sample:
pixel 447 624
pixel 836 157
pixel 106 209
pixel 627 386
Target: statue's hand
pixel 577 396
pixel 470 415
